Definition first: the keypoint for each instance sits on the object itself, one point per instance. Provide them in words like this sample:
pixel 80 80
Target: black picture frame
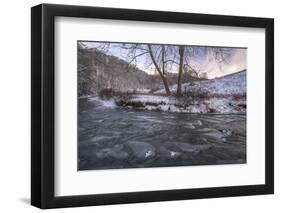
pixel 43 102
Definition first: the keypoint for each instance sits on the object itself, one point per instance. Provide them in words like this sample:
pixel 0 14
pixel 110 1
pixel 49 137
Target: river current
pixel 110 137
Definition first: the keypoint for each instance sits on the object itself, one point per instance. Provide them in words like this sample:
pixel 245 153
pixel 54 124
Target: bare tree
pixel 160 71
pixel 167 58
pixel 156 55
pixel 181 56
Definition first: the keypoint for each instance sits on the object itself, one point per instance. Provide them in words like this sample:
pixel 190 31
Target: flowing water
pixel 111 137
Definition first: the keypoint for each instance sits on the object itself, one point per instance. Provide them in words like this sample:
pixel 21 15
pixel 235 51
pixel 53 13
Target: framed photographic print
pixel 139 106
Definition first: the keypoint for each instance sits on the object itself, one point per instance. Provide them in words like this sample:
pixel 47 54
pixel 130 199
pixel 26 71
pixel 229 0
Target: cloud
pixel 210 68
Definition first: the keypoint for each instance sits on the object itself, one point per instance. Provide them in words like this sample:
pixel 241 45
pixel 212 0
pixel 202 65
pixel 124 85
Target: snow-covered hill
pixel 233 84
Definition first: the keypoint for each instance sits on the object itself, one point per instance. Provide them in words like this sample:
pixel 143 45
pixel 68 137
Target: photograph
pixel 133 105
pixel 143 105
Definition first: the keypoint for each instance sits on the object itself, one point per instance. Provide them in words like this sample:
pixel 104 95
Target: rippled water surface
pixel 112 137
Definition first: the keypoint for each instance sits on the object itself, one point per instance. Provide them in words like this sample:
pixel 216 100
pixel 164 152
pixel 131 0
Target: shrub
pixel 106 93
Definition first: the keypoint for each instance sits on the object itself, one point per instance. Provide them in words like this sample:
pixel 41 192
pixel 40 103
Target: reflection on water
pixel 111 137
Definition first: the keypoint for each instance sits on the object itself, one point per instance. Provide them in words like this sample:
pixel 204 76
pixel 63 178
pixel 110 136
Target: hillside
pixel 233 84
pixel 98 71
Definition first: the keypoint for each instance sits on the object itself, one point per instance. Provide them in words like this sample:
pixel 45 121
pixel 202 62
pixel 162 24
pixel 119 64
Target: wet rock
pixel 116 152
pixel 141 150
pixel 217 135
pixel 198 123
pixel 194 149
pixel 167 154
pixel 204 130
pixel 233 128
pixel 174 154
pixel 226 132
pixel 189 126
pixel 214 134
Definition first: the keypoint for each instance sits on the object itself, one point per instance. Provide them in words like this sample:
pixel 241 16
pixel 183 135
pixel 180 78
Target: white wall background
pixel 15 106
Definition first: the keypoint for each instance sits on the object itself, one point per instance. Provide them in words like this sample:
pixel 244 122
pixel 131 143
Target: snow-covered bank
pixel 172 104
pixel 221 95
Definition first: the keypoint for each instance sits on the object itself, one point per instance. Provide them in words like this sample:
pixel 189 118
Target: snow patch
pixel 153 99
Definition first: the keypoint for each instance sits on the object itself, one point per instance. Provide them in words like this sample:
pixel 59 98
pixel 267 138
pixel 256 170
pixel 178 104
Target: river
pixel 111 137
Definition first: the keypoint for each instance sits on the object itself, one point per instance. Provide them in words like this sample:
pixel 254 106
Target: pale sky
pixel 203 60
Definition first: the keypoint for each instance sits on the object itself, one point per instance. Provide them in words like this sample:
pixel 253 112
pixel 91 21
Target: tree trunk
pixel 165 82
pixel 163 59
pixel 167 89
pixel 181 54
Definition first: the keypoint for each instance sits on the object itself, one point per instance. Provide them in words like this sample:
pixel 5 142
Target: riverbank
pixel 221 95
pixel 216 104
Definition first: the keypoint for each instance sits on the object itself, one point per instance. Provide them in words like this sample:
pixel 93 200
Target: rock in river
pixel 213 133
pixel 167 154
pixel 115 152
pixel 189 126
pixel 198 123
pixel 141 150
pixel 193 149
